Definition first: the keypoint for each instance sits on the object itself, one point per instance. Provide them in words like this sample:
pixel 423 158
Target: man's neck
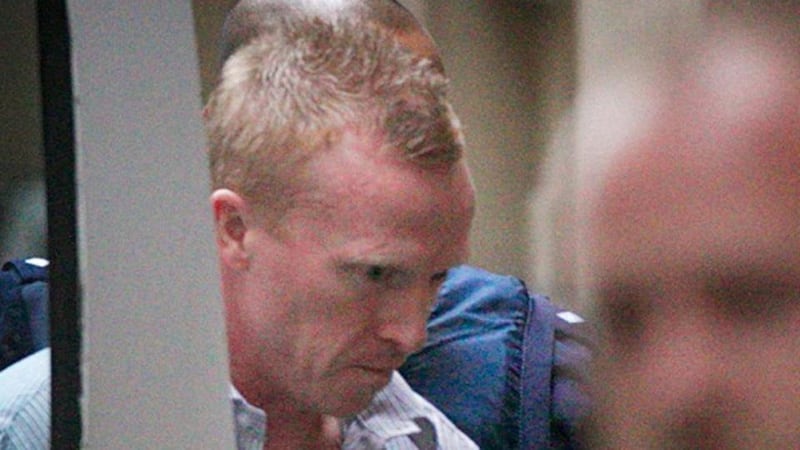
pixel 289 426
pixel 303 432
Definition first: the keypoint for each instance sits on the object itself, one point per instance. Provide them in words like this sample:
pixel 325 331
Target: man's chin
pixel 357 390
pixel 351 404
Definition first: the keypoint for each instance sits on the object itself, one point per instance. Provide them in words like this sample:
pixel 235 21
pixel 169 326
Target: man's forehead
pixel 658 182
pixel 734 127
pixel 668 172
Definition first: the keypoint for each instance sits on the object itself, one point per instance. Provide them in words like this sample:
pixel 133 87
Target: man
pixel 694 256
pixel 340 198
pixel 470 371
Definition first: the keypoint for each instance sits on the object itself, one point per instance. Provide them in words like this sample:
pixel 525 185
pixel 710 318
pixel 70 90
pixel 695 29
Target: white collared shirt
pixel 396 419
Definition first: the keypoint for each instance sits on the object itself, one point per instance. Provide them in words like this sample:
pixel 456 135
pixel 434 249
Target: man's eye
pixel 376 273
pixel 624 311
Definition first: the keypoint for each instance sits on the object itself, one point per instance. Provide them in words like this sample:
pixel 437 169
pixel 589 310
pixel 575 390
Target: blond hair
pixel 289 93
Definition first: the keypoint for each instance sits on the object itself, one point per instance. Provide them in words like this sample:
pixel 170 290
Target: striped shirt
pixel 25 403
pixel 396 419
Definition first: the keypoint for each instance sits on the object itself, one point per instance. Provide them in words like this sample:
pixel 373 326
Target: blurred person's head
pixel 695 257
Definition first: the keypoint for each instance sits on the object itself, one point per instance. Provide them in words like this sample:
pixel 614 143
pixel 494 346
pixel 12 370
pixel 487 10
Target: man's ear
pixel 230 223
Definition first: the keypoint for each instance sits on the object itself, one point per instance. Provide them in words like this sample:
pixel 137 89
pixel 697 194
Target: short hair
pixel 290 92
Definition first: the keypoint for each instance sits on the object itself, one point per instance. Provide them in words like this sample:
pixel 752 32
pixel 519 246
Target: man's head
pixel 340 199
pixel 694 257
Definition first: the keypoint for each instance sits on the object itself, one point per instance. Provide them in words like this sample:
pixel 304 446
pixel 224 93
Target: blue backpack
pixel 506 366
pixel 24 326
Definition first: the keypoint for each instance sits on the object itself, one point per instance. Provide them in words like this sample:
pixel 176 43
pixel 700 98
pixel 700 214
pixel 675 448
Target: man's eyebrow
pixel 753 291
pixel 618 290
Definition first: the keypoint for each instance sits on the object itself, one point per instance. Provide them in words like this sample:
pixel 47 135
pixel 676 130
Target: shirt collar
pixel 393 412
pixel 250 422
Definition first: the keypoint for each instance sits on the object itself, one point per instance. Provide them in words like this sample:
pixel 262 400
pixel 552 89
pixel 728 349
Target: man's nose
pixel 403 322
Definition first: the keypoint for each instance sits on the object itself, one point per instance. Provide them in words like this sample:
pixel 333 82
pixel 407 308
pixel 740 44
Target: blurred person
pixel 693 246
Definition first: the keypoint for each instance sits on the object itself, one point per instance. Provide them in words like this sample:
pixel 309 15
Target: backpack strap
pixel 537 367
pixel 556 352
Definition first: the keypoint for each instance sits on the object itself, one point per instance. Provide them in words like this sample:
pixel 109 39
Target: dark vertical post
pixel 59 150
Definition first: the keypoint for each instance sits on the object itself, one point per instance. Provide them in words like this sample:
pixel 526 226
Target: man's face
pixel 696 266
pixel 337 300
